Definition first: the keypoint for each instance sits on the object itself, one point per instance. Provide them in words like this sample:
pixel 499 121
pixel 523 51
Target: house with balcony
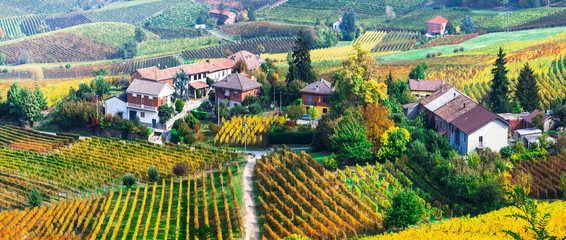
pixel 317 94
pixel 235 88
pixel 142 99
pixel 468 125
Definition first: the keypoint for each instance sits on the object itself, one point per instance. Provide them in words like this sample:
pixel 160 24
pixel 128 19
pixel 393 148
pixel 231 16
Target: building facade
pixel 317 94
pixel 235 88
pixel 436 26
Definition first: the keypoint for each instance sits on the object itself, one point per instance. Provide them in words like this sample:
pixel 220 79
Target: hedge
pixel 200 115
pixel 289 137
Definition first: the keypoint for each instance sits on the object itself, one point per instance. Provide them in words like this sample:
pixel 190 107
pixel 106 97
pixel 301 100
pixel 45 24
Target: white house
pixel 142 99
pixel 336 25
pixel 200 26
pixel 468 125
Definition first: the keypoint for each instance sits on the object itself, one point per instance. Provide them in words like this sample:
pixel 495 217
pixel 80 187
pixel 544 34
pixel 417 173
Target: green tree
pixel 181 81
pixel 295 112
pixel 100 86
pixel 15 100
pixel 139 34
pixel 2 59
pixel 538 121
pixel 527 89
pixel 41 99
pixel 240 66
pixel 99 72
pixel 180 169
pixel 468 24
pixel 407 209
pixel 323 132
pixel 128 50
pixel 302 58
pixel 129 180
pixel 223 110
pixel 418 72
pixel 350 139
pixel 450 28
pixel 165 112
pixel 393 143
pixel 313 113
pixel 35 197
pixel 153 174
pixel 179 105
pixel 31 108
pixel 348 25
pixel 499 95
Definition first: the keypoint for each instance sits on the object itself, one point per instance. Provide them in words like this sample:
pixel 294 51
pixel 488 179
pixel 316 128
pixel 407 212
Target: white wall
pixel 494 136
pixel 149 116
pixel 115 105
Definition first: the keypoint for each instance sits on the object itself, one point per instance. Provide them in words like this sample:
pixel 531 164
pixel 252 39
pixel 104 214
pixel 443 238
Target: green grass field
pixel 182 15
pixel 491 39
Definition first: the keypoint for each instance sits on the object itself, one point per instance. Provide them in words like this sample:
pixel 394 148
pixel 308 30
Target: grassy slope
pixel 478 42
pixel 182 15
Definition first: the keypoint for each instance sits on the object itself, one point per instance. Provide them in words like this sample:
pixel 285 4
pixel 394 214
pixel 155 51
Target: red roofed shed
pixel 437 26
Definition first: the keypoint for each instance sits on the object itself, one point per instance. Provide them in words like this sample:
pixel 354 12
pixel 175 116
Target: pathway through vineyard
pixel 251 224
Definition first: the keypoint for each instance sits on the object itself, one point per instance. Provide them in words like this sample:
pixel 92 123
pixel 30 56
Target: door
pixel 481 141
pixel 154 123
pixel 133 115
pixel 310 99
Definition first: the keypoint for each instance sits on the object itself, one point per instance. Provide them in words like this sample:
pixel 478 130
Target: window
pixel 150 103
pixel 325 99
pixel 235 94
pixel 142 114
pixel 324 110
pixel 481 140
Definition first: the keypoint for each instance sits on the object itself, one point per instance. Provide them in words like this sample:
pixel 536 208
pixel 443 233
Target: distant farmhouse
pixel 317 94
pixel 336 25
pixel 252 61
pixel 227 16
pixel 468 125
pixel 436 26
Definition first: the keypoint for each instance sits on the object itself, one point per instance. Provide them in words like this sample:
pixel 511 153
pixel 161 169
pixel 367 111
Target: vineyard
pixel 166 211
pixel 167 33
pixel 448 40
pixel 60 21
pixel 251 130
pixel 91 164
pixel 29 140
pixel 162 62
pixel 130 11
pixel 258 29
pixel 59 47
pixel 277 45
pixel 182 15
pixel 296 196
pixel 176 45
pixel 6 11
pixel 41 6
pixel 546 175
pixel 485 226
pixel 106 32
pixel 397 41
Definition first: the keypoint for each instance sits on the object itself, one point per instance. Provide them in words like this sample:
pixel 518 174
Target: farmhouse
pixel 424 88
pixel 518 121
pixel 336 25
pixel 436 26
pixel 317 94
pixel 142 99
pixel 252 61
pixel 226 16
pixel 235 88
pixel 468 125
pixel 198 74
pixel 547 121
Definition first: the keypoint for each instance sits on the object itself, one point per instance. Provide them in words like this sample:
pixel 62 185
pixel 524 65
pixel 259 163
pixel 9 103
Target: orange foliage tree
pixel 377 122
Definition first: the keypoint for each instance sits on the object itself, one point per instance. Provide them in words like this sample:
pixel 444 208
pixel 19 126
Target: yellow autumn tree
pixel 377 122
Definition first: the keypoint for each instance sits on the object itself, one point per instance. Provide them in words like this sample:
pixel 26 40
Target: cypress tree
pixel 499 95
pixel 527 89
pixel 302 58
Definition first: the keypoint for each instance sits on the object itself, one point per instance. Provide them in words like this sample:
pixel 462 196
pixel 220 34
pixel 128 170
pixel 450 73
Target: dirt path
pixel 251 224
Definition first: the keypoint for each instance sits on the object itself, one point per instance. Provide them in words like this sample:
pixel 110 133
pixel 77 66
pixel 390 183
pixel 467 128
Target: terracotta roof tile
pixel 198 84
pixel 453 109
pixel 438 19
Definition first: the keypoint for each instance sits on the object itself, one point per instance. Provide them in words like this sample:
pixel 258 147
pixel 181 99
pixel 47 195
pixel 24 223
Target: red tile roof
pixel 453 109
pixel 475 119
pixel 238 82
pixel 222 64
pixel 155 74
pixel 198 85
pixel 253 61
pixel 438 19
pixel 425 85
pixel 530 116
pixel 321 87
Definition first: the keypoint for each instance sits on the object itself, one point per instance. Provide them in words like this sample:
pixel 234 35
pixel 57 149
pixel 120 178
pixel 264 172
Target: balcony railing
pixel 143 107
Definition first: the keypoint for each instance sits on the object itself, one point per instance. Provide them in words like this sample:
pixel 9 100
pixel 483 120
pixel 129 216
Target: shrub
pixel 461 49
pixel 428 55
pixel 200 115
pixel 35 198
pixel 215 128
pixel 189 139
pixel 433 55
pixel 456 50
pixel 255 108
pixel 329 163
pixel 129 180
pixel 407 209
pixel 179 105
pixel 165 112
pixel 153 174
pixel 180 169
pixel 289 137
pixel 191 120
pixel 440 53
